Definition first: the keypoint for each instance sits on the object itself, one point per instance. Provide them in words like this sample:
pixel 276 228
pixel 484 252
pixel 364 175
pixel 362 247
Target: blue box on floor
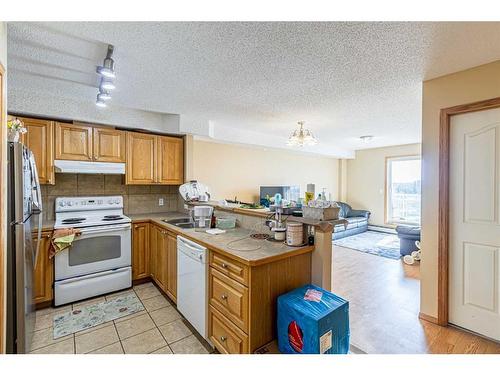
pixel 312 320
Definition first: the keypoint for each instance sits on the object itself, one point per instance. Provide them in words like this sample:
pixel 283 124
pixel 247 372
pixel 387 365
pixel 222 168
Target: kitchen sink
pixel 183 222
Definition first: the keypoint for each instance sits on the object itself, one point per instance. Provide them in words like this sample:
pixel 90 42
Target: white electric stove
pixel 99 260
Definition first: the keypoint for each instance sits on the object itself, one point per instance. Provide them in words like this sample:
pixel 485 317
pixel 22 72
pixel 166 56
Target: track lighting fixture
pixel 108 67
pixel 107 73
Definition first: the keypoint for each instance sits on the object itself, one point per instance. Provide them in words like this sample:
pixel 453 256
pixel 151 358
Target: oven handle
pixel 113 228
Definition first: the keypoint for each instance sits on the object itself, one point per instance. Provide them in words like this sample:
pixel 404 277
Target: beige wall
pixel 366 178
pixel 480 83
pixel 235 170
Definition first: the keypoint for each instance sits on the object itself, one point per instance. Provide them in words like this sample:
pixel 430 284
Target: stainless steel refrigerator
pixel 23 240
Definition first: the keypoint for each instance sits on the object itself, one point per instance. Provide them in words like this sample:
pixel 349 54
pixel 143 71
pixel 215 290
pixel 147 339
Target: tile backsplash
pixel 137 199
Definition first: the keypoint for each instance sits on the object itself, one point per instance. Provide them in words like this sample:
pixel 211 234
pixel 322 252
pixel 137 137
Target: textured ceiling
pixel 251 82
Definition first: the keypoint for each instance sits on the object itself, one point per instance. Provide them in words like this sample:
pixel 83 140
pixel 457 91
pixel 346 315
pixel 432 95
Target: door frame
pixel 444 203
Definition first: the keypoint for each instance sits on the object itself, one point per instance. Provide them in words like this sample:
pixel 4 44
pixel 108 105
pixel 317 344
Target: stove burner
pixel 73 220
pixel 112 217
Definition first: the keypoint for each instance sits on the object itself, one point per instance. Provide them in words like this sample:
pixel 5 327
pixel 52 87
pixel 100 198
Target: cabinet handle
pixel 224 297
pixel 223 338
pixel 224 265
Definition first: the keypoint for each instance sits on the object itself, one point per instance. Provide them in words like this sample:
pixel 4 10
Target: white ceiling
pixel 247 82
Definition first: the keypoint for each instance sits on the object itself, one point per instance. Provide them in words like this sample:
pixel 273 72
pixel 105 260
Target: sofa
pixel 357 221
pixel 408 235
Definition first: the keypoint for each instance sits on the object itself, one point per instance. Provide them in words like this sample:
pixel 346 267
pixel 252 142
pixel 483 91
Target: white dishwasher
pixel 191 283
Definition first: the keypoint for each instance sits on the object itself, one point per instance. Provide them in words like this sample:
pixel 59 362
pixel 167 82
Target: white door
pixel 474 236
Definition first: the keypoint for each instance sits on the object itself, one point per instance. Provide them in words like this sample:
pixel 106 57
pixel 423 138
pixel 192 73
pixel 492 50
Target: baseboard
pixel 427 318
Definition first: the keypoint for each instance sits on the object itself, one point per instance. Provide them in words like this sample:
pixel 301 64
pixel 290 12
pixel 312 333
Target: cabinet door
pixel 140 251
pixel 162 260
pixel 141 154
pixel 39 138
pixel 73 142
pixel 109 145
pixel 172 267
pixel 44 271
pixel 154 233
pixel 170 160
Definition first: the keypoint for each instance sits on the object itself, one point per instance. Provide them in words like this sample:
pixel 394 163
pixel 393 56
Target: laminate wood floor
pixel 384 299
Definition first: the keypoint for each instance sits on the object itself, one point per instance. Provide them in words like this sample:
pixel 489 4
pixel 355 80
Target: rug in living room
pixel 371 242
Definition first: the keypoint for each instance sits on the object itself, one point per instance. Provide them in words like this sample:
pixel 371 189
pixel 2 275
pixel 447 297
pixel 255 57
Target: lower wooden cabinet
pixel 140 250
pixel 242 299
pixel 158 256
pixel 163 260
pixel 172 266
pixel 44 271
pixel 226 337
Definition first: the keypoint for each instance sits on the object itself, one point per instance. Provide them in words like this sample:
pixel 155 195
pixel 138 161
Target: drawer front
pixel 230 298
pixel 226 337
pixel 229 267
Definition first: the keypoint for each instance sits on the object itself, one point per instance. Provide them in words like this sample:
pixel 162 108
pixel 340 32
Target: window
pixel 403 190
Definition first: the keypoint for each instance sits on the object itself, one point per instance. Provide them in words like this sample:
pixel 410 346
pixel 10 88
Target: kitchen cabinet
pixel 154 159
pixel 158 257
pixel 140 251
pixel 39 138
pixel 242 299
pixel 73 142
pixel 170 160
pixel 172 266
pixel 141 159
pixel 84 142
pixel 43 277
pixel 163 260
pixel 109 145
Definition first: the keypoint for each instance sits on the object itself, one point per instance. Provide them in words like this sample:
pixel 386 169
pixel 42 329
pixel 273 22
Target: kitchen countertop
pixel 245 249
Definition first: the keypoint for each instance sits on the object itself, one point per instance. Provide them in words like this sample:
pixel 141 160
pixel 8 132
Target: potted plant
pixel 15 128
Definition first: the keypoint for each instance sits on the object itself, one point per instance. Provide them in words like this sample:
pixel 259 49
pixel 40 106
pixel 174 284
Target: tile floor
pixel 159 329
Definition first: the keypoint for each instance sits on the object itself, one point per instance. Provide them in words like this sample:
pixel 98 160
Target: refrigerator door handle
pixel 37 203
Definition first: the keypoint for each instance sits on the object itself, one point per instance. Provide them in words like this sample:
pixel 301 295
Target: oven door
pixel 96 249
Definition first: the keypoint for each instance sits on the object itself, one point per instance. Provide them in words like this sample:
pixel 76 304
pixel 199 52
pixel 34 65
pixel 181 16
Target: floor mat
pixel 376 243
pixel 95 314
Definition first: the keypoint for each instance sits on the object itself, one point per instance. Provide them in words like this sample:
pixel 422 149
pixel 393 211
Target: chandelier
pixel 301 137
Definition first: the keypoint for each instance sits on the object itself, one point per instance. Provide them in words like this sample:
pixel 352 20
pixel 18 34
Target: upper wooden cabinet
pixel 170 160
pixel 73 142
pixel 153 159
pixel 141 159
pixel 88 143
pixel 109 145
pixel 39 139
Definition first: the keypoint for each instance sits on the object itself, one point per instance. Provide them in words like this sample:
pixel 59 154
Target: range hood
pixel 88 167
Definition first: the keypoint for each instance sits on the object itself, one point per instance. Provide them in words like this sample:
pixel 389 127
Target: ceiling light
pixel 366 138
pixel 100 103
pixel 301 137
pixel 103 95
pixel 106 85
pixel 108 67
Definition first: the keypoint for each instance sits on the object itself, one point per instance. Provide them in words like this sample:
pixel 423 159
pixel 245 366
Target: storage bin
pixel 330 213
pixel 312 320
pixel 225 222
